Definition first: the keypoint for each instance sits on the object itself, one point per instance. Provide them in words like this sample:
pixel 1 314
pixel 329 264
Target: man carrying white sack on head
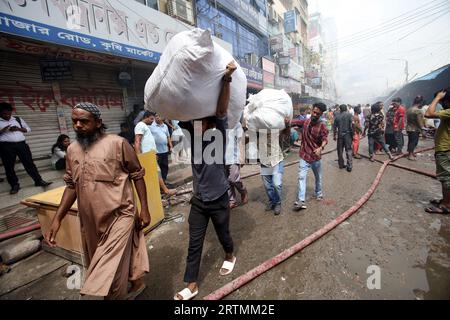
pixel 269 114
pixel 210 194
pixel 193 82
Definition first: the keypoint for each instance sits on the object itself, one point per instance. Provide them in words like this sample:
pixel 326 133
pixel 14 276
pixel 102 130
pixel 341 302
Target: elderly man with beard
pixel 99 171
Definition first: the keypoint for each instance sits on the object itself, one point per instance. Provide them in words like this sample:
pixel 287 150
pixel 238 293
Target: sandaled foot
pixel 185 294
pixel 437 210
pixel 227 267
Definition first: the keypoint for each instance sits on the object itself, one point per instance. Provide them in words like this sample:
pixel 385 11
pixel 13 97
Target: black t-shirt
pixel 209 178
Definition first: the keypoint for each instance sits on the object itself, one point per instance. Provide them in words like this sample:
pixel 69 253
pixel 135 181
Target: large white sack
pixel 268 109
pixel 187 81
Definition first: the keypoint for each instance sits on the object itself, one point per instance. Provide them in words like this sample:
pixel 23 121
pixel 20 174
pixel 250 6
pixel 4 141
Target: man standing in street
pixel 415 123
pixel 399 124
pixel 99 171
pixel 163 142
pixel 442 149
pixel 343 134
pixel 233 166
pixel 144 142
pixel 13 145
pixel 357 131
pixel 314 136
pixel 389 133
pixel 271 159
pixel 210 194
pixel 375 127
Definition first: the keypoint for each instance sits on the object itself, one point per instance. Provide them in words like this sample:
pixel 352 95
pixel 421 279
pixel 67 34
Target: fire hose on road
pixel 271 263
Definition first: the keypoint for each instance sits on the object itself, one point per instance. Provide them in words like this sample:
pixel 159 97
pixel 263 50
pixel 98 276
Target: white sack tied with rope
pixel 268 109
pixel 187 81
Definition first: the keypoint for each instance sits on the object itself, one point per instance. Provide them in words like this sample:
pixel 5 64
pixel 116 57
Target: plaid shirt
pixel 312 137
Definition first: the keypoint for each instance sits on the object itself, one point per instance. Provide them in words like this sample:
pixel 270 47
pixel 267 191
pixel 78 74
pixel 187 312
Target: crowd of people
pixel 106 165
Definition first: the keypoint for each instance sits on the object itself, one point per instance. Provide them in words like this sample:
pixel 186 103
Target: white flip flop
pixel 186 293
pixel 227 265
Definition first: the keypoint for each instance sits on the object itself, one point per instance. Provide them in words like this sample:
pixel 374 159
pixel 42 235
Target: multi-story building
pixel 243 23
pixel 288 38
pixel 322 58
pixel 55 54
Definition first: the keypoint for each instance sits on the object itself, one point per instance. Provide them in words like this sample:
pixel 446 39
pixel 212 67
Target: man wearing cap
pixel 99 170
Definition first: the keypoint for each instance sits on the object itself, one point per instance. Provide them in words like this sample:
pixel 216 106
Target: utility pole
pixel 406 68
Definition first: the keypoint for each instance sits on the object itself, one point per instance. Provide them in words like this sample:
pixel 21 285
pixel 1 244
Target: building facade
pixel 55 54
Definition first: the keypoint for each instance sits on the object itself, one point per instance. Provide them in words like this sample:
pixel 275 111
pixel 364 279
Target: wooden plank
pixel 29 270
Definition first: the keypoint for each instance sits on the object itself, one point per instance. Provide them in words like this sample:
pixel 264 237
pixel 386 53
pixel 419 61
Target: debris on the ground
pixel 4 269
pixel 436 225
pixel 387 222
pixel 173 217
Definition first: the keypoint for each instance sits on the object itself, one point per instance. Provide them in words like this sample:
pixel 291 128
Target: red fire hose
pixel 428 174
pixel 269 264
pixel 19 231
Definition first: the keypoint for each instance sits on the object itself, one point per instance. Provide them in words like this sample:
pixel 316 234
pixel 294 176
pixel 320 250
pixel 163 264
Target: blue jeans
pixel 274 187
pixel 304 167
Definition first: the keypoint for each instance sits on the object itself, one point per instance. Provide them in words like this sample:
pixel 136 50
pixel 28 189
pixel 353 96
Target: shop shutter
pixel 96 84
pixel 21 85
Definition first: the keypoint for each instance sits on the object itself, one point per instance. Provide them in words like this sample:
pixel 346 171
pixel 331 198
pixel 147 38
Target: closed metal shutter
pixel 21 85
pixel 96 84
pixel 136 90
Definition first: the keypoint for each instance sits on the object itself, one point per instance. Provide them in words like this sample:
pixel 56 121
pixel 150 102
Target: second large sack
pixel 187 81
pixel 268 109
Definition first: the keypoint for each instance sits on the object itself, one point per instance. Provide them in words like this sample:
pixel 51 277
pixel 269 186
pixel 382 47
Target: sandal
pixel 186 294
pixel 437 210
pixel 229 266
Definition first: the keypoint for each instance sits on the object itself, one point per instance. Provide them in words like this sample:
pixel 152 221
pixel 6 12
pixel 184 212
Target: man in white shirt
pixel 13 145
pixel 144 141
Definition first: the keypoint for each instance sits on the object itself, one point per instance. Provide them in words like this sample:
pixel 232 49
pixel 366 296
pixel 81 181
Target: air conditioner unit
pixel 181 9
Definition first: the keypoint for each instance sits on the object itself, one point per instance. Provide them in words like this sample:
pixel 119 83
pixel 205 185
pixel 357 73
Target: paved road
pixel 411 248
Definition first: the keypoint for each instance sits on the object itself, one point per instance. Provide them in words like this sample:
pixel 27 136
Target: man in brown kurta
pixel 99 171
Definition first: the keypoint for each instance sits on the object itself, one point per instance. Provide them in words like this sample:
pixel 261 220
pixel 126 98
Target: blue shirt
pixel 161 135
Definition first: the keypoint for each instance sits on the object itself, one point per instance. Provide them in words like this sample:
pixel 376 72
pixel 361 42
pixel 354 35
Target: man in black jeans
pixel 12 145
pixel 343 133
pixel 210 199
